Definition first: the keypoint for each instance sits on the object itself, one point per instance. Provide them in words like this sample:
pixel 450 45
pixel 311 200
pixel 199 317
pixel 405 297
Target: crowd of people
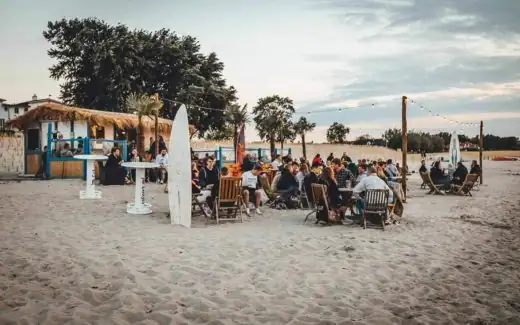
pixel 447 177
pixel 293 179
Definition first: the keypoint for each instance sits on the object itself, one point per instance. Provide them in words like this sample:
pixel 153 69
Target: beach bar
pixel 53 125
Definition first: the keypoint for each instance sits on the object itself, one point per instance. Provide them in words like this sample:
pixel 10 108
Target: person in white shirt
pixel 251 192
pixel 371 182
pixel 162 160
pixel 277 163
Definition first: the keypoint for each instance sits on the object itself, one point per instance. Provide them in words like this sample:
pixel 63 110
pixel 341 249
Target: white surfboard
pixel 179 170
pixel 454 149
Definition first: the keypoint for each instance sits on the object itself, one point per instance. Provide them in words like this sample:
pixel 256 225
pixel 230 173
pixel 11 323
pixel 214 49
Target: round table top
pixel 91 157
pixel 345 189
pixel 140 164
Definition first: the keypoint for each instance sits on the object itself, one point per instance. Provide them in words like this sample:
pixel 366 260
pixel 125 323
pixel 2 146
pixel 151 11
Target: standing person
pixel 133 157
pixel 43 164
pixel 247 163
pixel 277 163
pixel 162 160
pixel 250 186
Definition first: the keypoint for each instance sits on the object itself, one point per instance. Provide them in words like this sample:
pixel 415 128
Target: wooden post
pixel 404 144
pixel 481 145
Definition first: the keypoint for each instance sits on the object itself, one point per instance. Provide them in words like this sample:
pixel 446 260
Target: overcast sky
pixel 459 59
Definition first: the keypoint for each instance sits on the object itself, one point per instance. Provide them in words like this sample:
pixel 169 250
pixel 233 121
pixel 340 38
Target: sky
pixel 353 60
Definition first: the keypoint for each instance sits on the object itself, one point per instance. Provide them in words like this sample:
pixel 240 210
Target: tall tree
pixel 98 65
pixel 272 116
pixel 337 133
pixel 301 128
pixel 142 105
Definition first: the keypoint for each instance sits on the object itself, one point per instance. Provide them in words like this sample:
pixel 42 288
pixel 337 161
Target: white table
pixel 139 206
pixel 90 190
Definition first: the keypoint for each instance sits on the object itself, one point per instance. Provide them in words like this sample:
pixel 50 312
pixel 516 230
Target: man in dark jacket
pixel 287 181
pixel 460 174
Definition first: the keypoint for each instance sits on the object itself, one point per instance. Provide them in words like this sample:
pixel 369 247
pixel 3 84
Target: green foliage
pixel 98 65
pixel 272 116
pixel 440 142
pixel 301 128
pixel 337 133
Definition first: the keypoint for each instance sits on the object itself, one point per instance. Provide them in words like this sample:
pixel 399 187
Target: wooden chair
pixel 467 186
pixel 195 203
pixel 321 203
pixel 312 205
pixel 434 189
pixel 376 203
pixel 228 204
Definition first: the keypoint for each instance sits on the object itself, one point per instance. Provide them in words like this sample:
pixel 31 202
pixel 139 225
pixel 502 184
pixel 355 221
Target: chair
pixel 467 186
pixel 321 203
pixel 228 203
pixel 201 205
pixel 434 189
pixel 311 204
pixel 376 203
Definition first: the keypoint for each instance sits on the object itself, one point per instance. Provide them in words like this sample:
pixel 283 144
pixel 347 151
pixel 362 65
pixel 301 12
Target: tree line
pixel 109 67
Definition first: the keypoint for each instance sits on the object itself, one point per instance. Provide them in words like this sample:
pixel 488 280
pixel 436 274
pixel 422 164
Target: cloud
pixel 460 59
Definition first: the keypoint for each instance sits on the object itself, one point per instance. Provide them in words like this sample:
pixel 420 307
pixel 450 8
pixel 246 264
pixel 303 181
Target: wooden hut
pixel 73 122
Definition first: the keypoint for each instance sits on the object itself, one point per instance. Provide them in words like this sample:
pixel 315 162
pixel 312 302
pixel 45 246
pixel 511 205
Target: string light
pixel 446 118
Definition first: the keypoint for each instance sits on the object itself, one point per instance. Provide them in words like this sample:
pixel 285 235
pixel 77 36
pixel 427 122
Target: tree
pixel 337 133
pixel 300 128
pixel 142 105
pixel 272 116
pixel 98 65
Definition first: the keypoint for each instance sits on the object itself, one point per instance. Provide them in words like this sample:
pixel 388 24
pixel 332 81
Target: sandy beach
pixel 453 260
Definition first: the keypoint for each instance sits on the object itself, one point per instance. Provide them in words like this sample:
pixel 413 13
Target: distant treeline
pixel 419 141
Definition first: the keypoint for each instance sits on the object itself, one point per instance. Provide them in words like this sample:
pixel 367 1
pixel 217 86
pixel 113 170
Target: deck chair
pixel 195 203
pixel 434 189
pixel 321 203
pixel 229 203
pixel 376 203
pixel 311 204
pixel 467 186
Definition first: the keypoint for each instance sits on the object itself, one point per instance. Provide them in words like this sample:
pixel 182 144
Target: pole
pixel 481 145
pixel 404 144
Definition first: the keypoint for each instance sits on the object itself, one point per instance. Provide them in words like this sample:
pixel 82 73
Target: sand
pixel 453 260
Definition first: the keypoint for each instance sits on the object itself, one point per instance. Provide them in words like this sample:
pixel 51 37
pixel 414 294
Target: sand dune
pixel 453 260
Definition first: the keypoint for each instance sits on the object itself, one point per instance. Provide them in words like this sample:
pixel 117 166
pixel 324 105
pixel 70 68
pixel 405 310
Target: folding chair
pixel 228 203
pixel 467 186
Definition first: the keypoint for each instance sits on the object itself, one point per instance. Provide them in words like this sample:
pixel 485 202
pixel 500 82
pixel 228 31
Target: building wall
pixel 12 153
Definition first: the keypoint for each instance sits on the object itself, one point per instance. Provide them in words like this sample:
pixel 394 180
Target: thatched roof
pixel 63 113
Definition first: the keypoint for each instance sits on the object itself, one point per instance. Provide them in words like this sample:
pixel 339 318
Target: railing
pixel 65 149
pixel 226 155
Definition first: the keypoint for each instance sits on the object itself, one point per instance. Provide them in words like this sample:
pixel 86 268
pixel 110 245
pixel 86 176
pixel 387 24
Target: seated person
pixel 391 170
pixel 195 187
pixel 459 175
pixel 215 189
pixel 115 173
pixel 247 163
pixel 475 168
pixel 287 182
pixel 327 178
pixel 65 151
pixel 311 178
pixel 344 176
pixel 371 182
pixel 250 186
pixel 423 168
pixel 209 173
pixel 438 177
pixel 162 160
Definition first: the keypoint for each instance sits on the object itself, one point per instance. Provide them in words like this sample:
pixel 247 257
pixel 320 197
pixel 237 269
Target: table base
pixel 90 195
pixel 133 208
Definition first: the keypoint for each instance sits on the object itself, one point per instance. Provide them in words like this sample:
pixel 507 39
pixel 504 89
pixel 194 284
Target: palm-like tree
pixel 143 105
pixel 301 127
pixel 237 116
